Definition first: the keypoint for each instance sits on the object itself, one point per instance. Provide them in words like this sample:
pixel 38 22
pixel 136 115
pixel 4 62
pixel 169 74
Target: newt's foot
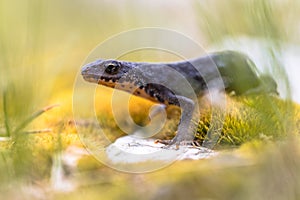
pixel 172 142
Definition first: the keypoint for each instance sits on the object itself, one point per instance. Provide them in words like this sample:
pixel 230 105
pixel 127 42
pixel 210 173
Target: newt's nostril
pixel 84 69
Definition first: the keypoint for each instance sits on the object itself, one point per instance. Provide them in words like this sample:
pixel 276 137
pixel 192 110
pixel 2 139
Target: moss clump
pixel 250 118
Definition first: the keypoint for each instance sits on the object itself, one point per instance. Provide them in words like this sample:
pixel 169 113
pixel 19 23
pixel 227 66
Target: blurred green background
pixel 43 45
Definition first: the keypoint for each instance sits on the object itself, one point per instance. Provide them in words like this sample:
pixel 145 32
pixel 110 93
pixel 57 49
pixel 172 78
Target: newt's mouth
pixel 107 82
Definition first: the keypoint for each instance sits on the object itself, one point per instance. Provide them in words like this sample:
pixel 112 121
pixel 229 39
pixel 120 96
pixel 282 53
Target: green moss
pixel 251 118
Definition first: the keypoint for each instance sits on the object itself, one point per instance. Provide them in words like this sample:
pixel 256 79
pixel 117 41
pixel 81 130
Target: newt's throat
pixel 131 88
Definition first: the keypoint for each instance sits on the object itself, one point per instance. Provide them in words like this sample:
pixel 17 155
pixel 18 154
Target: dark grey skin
pixel 229 71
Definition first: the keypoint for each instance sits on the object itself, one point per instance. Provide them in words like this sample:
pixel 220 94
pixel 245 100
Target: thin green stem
pixel 32 117
pixel 6 120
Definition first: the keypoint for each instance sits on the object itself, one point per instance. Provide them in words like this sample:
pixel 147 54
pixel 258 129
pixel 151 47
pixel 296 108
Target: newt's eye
pixel 112 67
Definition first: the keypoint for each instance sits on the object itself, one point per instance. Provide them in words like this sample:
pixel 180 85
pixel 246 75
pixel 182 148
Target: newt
pixel 152 80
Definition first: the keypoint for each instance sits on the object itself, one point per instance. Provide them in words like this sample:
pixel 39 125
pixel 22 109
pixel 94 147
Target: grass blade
pixel 32 117
pixel 6 122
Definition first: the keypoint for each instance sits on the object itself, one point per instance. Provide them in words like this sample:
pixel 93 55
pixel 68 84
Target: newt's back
pixel 235 70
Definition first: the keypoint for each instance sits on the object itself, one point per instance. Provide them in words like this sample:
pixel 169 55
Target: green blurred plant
pixel 21 66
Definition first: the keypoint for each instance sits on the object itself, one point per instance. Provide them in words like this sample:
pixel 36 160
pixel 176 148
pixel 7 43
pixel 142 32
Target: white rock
pixel 130 149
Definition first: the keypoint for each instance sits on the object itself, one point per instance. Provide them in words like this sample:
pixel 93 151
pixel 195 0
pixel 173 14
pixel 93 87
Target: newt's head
pixel 105 72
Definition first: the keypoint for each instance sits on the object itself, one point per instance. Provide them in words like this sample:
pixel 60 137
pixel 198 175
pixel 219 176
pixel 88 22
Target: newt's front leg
pixel 185 130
